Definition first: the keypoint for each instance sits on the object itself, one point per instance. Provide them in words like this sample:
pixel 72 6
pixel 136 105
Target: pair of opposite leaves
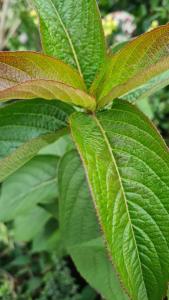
pixel 140 68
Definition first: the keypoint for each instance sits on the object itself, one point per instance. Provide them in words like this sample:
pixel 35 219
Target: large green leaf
pixel 80 230
pixel 24 120
pixel 30 75
pixel 35 182
pixel 142 59
pixel 127 165
pixel 71 30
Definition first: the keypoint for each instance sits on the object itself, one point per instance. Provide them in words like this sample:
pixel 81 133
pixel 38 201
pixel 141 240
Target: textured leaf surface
pixel 80 230
pixel 36 182
pixel 139 61
pixel 29 75
pixel 24 120
pixel 127 164
pixel 71 30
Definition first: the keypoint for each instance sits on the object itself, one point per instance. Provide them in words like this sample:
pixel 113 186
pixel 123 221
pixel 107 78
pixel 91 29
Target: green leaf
pixel 80 230
pixel 28 225
pixel 59 147
pixel 35 182
pixel 71 30
pixel 28 127
pixel 25 153
pixel 142 59
pixel 30 75
pixel 145 106
pixel 48 239
pixel 168 294
pixel 127 165
pixel 24 120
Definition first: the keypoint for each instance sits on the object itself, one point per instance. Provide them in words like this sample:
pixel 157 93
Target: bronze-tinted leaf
pixel 29 75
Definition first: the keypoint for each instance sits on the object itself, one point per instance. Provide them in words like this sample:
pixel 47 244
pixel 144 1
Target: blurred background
pixel 31 268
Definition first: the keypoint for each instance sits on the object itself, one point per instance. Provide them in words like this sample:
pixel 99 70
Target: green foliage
pixel 25 120
pixel 22 22
pixel 125 71
pixel 41 76
pixel 160 108
pixel 28 127
pixel 59 21
pixel 18 26
pixel 145 12
pixel 80 230
pixel 41 276
pixel 35 182
pixel 125 162
pixel 60 285
pixel 115 141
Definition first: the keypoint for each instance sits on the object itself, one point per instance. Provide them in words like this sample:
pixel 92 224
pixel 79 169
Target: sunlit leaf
pixel 30 75
pixel 142 59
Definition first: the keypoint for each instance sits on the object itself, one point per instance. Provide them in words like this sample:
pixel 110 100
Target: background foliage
pixel 30 265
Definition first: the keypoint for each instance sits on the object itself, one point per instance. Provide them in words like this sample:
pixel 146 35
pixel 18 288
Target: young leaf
pixel 127 165
pixel 139 61
pixel 35 182
pixel 30 75
pixel 80 230
pixel 24 120
pixel 71 30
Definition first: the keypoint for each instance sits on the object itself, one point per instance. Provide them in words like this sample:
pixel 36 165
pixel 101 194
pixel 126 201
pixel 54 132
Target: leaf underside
pixel 149 88
pixel 127 165
pixel 80 230
pixel 71 30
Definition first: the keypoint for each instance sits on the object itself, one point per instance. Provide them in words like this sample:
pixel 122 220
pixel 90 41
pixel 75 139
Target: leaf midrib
pixel 68 38
pixel 99 125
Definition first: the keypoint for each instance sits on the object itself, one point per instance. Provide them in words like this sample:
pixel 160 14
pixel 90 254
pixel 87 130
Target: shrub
pixel 116 177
